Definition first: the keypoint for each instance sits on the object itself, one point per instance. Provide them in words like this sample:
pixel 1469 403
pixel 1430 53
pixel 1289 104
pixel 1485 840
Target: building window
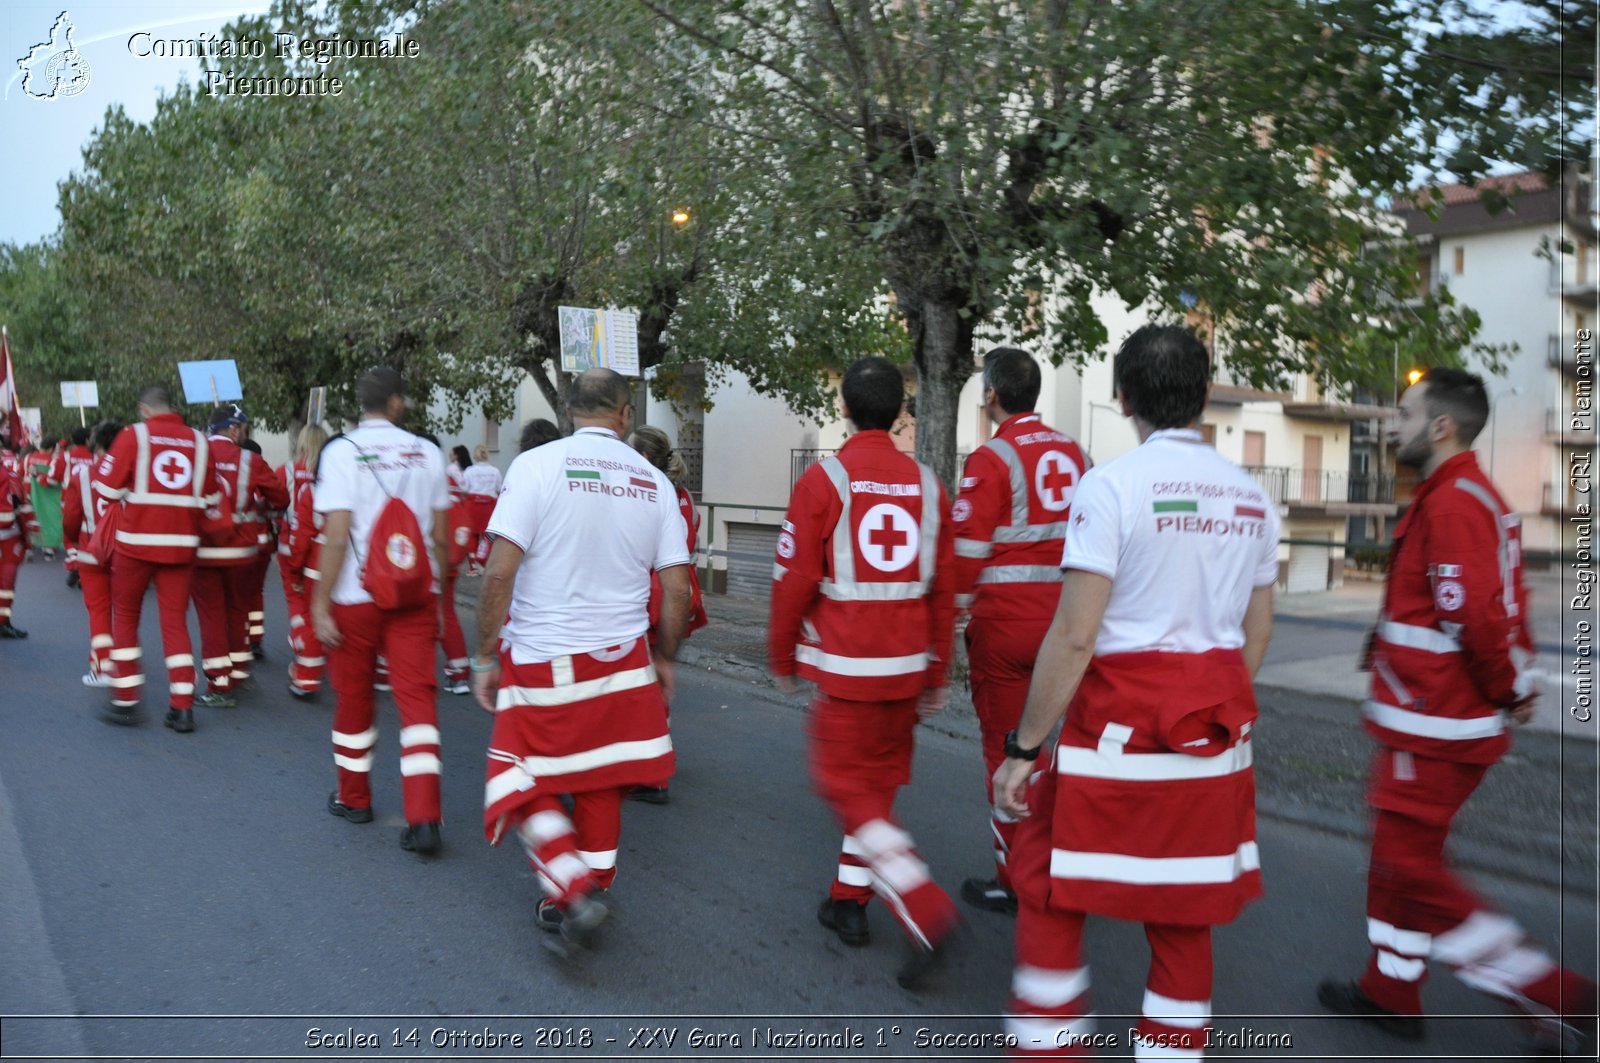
pixel 1424 273
pixel 491 435
pixel 1461 260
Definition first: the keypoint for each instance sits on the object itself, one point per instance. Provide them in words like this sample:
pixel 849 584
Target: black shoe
pixel 420 838
pixel 9 631
pixel 923 961
pixel 848 919
pixel 215 699
pixel 257 652
pixel 988 894
pixel 584 916
pixel 72 579
pixel 1346 998
pixel 301 695
pixel 548 917
pixel 122 715
pixel 354 815
pixel 181 720
pixel 650 795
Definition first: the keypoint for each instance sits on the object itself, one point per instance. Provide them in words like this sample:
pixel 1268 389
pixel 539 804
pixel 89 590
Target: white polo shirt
pixel 593 519
pixel 358 472
pixel 481 478
pixel 1183 534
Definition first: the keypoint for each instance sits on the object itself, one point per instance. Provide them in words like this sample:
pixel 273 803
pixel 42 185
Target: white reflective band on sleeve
pixel 1145 1049
pixel 1020 574
pixel 979 548
pixel 180 660
pixel 596 861
pixel 1155 871
pixel 1151 767
pixel 1405 942
pixel 603 756
pixel 541 697
pixel 127 653
pixel 152 539
pixel 420 764
pixel 1043 1031
pixel 352 740
pixel 1189 1014
pixel 313 575
pixel 855 875
pixel 1398 967
pixel 361 763
pixel 872 592
pixel 1415 637
pixel 1031 533
pixel 419 734
pixel 1480 934
pixel 860 666
pixel 1044 988
pixel 112 493
pixel 1424 726
pixel 181 688
pixel 543 827
pixel 311 662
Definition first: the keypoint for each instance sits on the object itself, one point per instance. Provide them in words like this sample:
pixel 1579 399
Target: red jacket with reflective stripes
pixel 252 487
pixel 17 522
pixel 296 481
pixel 1452 647
pixel 863 597
pixel 1011 520
pixel 81 509
pixel 161 471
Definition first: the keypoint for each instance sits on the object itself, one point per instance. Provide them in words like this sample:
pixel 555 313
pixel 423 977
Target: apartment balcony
pixel 1562 429
pixel 1561 500
pixel 802 458
pixel 1561 356
pixel 1338 411
pixel 1324 493
pixel 1583 296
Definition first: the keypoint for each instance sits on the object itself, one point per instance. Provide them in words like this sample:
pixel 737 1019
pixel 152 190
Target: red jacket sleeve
pixel 1469 574
pixel 941 599
pixel 116 468
pixel 267 483
pixel 984 501
pixel 71 513
pixel 305 531
pixel 813 511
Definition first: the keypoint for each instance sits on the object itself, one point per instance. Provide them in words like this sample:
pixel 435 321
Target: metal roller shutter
pixel 1308 567
pixel 752 548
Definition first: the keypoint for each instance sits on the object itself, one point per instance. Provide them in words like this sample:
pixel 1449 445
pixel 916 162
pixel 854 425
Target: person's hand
pixel 486 686
pixel 667 677
pixel 327 629
pixel 786 684
pixel 932 702
pixel 1522 711
pixel 1011 786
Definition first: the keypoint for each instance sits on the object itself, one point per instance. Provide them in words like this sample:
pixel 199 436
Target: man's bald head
pixel 598 393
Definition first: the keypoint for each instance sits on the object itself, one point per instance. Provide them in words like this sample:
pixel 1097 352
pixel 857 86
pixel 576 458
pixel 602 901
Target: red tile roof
pixel 1455 195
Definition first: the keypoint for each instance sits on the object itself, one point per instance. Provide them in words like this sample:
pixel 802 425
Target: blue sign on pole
pixel 210 382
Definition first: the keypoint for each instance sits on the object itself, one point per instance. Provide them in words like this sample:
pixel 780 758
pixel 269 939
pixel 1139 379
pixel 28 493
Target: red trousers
pixel 573 856
pixel 96 584
pixel 130 576
pixel 405 638
pixel 454 642
pixel 12 552
pixel 1001 658
pixel 480 508
pixel 221 602
pixel 860 754
pixel 1417 909
pixel 305 671
pixel 255 600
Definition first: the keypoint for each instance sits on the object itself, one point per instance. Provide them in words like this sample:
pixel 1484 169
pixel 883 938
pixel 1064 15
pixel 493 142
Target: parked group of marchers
pixel 1129 603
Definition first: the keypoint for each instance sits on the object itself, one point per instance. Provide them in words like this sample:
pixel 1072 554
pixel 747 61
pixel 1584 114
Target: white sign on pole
pixel 80 393
pixel 593 338
pixel 32 423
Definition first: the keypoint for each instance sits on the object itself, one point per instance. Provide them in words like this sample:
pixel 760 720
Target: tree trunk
pixel 944 361
pixel 550 380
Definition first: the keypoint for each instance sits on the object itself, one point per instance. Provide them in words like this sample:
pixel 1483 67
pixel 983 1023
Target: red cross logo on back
pixel 888 537
pixel 173 469
pixel 1056 480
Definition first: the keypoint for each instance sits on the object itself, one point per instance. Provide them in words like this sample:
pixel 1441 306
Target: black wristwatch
pixel 1016 752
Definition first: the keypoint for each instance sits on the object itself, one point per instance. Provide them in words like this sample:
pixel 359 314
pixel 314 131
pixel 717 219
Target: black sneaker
pixel 215 699
pixel 988 894
pixel 122 715
pixel 650 795
pixel 1346 998
pixel 257 652
pixel 848 919
pixel 344 811
pixel 548 917
pixel 301 695
pixel 421 838
pixel 72 579
pixel 180 720
pixel 11 631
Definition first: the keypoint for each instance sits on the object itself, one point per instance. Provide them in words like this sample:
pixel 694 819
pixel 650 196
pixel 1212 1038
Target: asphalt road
pixel 187 896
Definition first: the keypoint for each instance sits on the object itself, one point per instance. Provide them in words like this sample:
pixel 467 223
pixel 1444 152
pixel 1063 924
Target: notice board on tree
pixel 592 339
pixel 209 382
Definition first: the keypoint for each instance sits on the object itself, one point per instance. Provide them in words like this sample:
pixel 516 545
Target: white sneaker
pixel 457 686
pixel 93 679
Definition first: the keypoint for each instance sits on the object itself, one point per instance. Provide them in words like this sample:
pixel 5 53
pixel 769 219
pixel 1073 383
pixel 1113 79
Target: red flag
pixel 8 393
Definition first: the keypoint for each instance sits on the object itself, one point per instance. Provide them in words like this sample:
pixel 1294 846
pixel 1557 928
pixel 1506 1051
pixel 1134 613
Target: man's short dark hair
pixel 536 433
pixel 156 396
pixel 80 436
pixel 597 392
pixel 1015 377
pixel 874 392
pixel 377 386
pixel 105 433
pixel 1162 372
pixel 1459 395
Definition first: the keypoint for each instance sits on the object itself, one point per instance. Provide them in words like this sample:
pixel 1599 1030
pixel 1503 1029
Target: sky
pixel 43 140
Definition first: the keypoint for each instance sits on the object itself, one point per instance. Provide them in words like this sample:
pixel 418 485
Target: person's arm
pixel 677 594
pixel 1063 658
pixel 941 615
pixel 985 499
pixel 441 545
pixel 1257 628
pixel 494 600
pixel 116 468
pixel 797 572
pixel 1468 576
pixel 336 542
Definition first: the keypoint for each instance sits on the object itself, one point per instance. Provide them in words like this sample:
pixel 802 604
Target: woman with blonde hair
pixel 481 482
pixel 297 561
pixel 655 446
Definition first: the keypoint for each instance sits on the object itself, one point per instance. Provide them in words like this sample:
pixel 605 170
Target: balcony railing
pixel 1318 487
pixel 801 459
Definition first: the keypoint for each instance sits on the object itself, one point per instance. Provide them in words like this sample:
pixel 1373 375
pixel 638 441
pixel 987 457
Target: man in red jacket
pixel 1450 661
pixel 160 471
pixel 77 457
pixel 17 525
pixel 1010 521
pixel 82 508
pixel 863 604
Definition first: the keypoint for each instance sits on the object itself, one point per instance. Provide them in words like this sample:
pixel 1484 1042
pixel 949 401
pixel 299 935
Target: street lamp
pixel 680 216
pixel 1413 376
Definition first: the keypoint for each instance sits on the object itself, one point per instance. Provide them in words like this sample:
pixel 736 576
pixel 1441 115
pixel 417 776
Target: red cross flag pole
pixel 8 391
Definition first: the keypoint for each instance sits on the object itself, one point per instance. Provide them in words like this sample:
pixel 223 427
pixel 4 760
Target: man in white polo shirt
pixel 581 705
pixel 357 476
pixel 1145 810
